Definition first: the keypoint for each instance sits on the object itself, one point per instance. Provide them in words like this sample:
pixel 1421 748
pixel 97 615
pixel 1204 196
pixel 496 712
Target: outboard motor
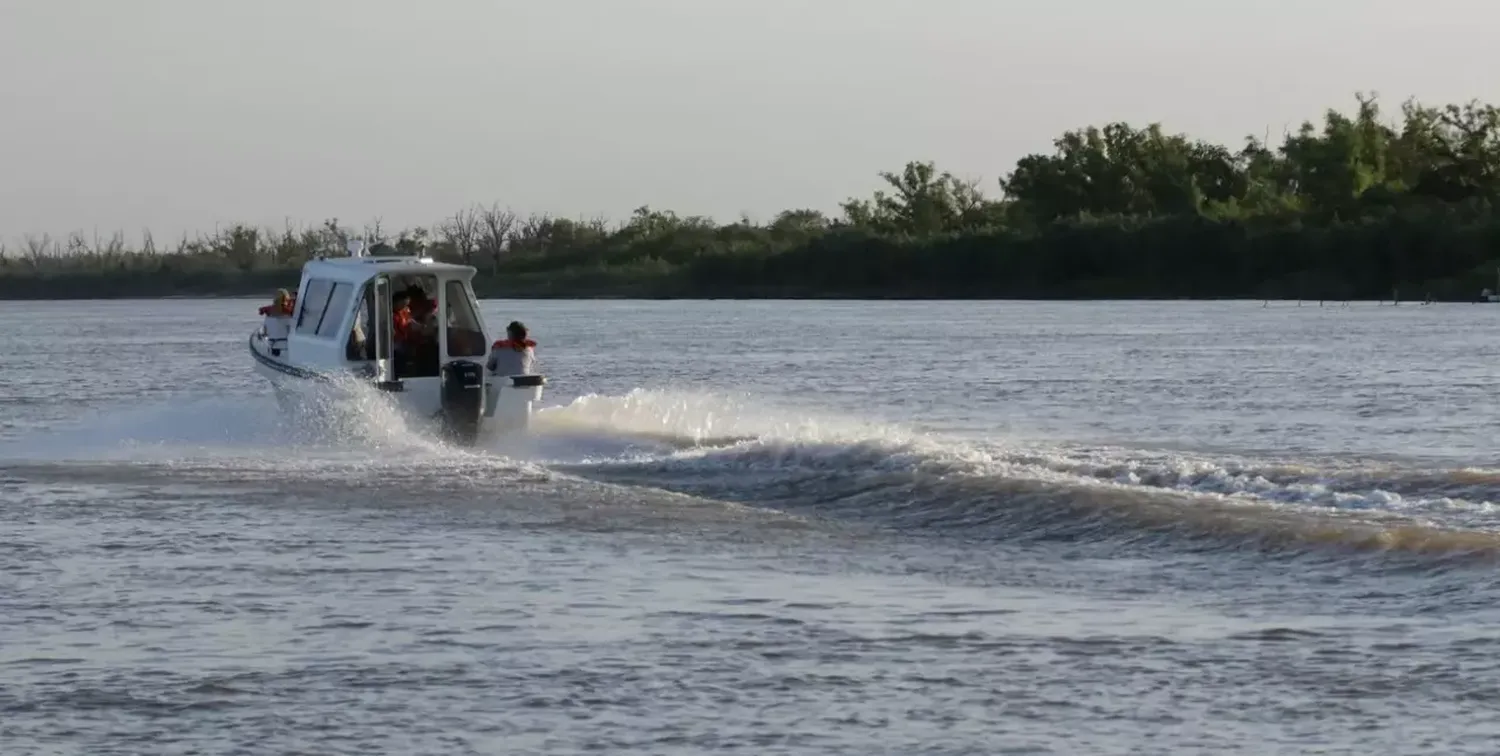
pixel 510 405
pixel 462 400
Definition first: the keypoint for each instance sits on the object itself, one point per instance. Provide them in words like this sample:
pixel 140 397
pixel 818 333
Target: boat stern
pixel 511 399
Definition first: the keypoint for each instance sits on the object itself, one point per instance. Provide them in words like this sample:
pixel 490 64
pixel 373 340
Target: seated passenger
pixel 278 321
pixel 513 355
pixel 422 307
pixel 280 305
pixel 400 334
pixel 400 319
pixel 358 347
pixel 423 315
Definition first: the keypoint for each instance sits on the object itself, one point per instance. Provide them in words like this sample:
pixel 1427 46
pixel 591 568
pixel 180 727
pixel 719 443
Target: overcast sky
pixel 186 114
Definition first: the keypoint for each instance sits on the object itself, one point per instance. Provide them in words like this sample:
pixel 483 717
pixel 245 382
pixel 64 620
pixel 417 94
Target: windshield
pixel 465 334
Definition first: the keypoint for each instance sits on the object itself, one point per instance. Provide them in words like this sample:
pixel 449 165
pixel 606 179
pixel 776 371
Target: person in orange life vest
pixel 278 320
pixel 281 305
pixel 513 355
pixel 400 319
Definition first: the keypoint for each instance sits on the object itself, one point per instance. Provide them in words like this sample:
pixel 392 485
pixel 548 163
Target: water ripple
pixel 1061 528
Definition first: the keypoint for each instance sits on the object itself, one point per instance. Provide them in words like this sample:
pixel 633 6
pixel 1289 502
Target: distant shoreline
pixel 822 280
pixel 769 297
pixel 1353 209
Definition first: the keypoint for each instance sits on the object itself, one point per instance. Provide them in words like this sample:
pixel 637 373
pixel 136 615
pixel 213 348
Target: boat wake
pixel 1012 490
pixel 740 452
pixel 358 437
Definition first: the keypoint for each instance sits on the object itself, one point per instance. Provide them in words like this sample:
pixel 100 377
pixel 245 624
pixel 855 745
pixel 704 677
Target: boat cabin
pixel 392 319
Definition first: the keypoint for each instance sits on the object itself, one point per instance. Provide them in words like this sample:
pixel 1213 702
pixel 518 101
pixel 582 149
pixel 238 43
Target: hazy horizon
pixel 180 115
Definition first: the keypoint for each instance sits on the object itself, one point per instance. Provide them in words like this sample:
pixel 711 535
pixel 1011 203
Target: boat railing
pixel 274 346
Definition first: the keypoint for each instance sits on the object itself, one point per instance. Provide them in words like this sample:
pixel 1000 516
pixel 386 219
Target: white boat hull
pixel 389 332
pixel 326 397
pixel 320 399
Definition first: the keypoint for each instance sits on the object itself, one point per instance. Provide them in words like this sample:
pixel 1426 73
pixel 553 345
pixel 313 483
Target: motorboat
pixel 341 328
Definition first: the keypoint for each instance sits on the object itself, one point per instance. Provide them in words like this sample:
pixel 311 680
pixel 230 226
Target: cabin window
pixel 417 354
pixel 312 303
pixel 333 314
pixel 360 346
pixel 465 335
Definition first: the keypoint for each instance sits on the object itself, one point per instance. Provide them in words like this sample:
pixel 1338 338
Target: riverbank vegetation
pixel 1355 207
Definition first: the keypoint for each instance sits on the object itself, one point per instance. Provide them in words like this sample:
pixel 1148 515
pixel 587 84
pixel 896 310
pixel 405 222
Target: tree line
pixel 1357 207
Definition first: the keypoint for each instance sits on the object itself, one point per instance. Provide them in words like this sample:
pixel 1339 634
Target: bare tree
pixel 38 249
pixel 461 234
pixel 78 245
pixel 494 232
pixel 113 249
pixel 528 236
pixel 374 232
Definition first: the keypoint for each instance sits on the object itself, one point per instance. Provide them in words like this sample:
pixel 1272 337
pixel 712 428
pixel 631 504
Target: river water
pixel 769 527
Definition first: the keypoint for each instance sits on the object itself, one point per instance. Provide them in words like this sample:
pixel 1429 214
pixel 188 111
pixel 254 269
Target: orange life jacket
pixel 400 323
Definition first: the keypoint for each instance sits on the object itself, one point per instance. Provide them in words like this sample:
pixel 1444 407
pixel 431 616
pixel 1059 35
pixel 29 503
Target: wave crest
pixel 905 479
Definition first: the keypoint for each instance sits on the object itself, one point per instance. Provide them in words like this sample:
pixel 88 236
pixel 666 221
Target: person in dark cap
pixel 513 355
